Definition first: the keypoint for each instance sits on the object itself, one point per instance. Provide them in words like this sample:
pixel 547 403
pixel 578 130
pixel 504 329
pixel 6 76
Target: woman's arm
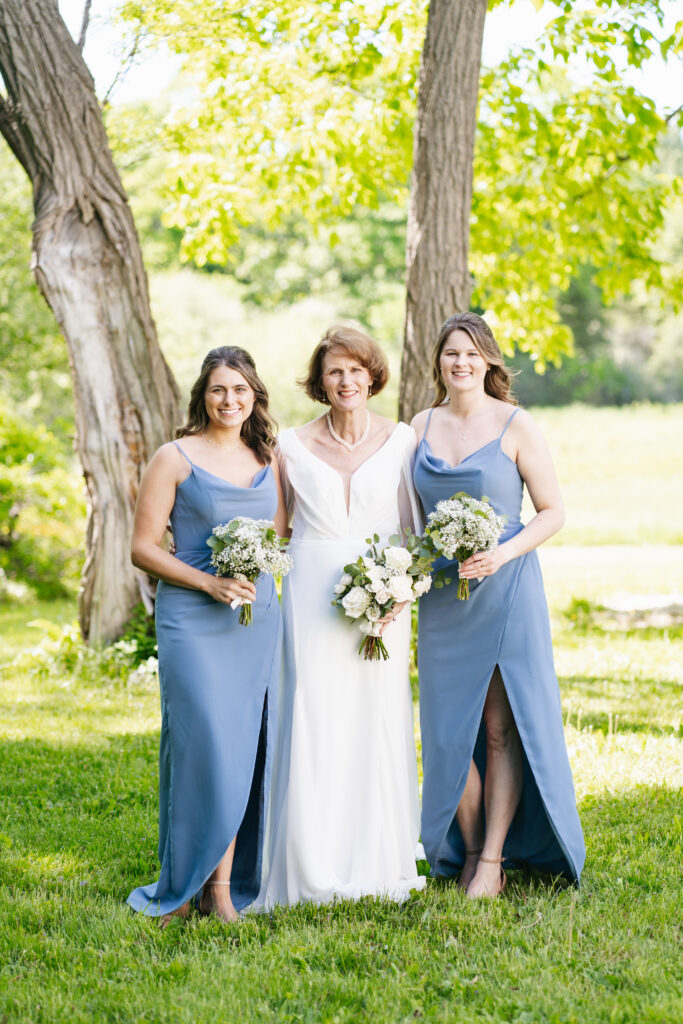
pixel 536 468
pixel 156 498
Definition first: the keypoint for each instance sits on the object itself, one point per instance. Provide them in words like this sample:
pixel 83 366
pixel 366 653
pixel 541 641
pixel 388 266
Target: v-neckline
pixel 229 483
pixel 356 470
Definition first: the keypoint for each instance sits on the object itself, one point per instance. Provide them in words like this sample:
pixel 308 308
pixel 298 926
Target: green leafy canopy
pixel 309 108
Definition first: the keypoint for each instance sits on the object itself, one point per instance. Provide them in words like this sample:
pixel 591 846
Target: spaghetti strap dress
pixel 218 700
pixel 505 622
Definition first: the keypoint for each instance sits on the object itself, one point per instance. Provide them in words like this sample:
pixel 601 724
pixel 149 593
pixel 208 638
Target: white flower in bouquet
pixel 398 558
pixel 401 588
pixel 377 581
pixel 355 602
pixel 421 586
pixel 247 548
pixel 369 628
pixel 460 526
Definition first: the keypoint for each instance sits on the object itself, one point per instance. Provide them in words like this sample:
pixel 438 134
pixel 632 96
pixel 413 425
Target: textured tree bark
pixel 88 265
pixel 438 281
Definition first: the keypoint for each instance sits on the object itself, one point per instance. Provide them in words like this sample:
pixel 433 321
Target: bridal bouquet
pixel 371 586
pixel 245 548
pixel 460 526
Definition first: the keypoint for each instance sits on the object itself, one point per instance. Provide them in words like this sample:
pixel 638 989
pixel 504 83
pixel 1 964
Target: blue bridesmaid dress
pixel 218 706
pixel 504 623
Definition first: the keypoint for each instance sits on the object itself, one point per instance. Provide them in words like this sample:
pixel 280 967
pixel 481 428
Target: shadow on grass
pixel 77 814
pixel 636 702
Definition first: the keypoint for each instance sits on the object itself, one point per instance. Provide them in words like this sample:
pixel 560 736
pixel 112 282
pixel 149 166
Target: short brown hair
pixel 355 343
pixel 497 381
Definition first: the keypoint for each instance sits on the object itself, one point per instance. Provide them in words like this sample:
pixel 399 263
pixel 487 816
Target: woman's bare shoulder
pixel 419 421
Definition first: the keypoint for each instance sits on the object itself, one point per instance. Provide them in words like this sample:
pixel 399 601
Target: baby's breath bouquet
pixel 460 526
pixel 371 586
pixel 245 548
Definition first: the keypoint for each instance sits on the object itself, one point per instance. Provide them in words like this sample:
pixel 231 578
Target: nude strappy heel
pixel 503 876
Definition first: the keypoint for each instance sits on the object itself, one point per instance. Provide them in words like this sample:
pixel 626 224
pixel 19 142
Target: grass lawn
pixel 78 814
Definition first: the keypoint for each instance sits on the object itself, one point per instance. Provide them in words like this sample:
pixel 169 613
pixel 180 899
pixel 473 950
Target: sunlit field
pixel 78 768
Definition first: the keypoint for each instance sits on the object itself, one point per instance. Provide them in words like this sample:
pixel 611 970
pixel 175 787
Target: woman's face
pixel 462 366
pixel 229 398
pixel 346 381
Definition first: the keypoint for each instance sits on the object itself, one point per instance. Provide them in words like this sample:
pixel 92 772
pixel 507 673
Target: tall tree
pixel 321 99
pixel 438 281
pixel 88 265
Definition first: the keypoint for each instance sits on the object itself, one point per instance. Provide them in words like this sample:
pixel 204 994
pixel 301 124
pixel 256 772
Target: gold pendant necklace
pixel 217 444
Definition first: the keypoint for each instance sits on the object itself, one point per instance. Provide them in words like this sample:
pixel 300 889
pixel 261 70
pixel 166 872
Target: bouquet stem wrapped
pixel 245 549
pixel 459 527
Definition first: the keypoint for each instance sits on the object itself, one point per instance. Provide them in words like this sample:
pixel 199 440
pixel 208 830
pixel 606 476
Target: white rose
pixel 368 562
pixel 369 628
pixel 339 588
pixel 374 573
pixel 398 558
pixel 401 588
pixel 377 585
pixel 355 602
pixel 422 585
pixel 373 613
pixel 382 596
pixel 346 579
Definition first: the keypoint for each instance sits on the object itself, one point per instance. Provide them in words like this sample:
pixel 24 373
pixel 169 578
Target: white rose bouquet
pixel 460 526
pixel 245 548
pixel 371 586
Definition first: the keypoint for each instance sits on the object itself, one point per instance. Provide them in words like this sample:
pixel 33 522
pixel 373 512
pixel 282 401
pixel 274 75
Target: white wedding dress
pixel 344 809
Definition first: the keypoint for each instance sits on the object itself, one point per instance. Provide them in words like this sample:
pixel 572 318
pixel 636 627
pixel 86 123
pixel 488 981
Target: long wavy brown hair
pixel 498 380
pixel 258 432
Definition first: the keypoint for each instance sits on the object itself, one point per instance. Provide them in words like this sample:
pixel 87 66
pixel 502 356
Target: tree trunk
pixel 438 281
pixel 88 265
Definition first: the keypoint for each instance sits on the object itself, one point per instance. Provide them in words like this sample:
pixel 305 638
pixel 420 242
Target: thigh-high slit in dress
pixel 505 623
pixel 218 700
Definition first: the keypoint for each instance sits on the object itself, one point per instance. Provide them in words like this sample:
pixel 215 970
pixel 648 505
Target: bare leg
pixel 471 823
pixel 502 787
pixel 216 896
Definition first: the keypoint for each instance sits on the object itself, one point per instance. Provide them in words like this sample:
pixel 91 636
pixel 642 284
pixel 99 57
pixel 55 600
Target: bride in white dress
pixel 344 814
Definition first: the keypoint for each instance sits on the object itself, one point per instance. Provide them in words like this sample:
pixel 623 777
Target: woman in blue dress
pixel 497 782
pixel 217 677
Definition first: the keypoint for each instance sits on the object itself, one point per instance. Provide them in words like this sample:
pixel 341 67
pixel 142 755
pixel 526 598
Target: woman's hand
pixel 226 589
pixel 482 563
pixel 391 615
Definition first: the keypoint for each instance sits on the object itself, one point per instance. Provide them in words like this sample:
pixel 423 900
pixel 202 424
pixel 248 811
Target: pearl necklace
pixel 349 447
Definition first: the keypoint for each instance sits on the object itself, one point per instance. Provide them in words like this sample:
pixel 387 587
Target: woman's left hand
pixel 391 615
pixel 483 563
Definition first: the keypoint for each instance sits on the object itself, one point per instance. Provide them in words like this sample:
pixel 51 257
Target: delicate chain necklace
pixel 217 444
pixel 349 447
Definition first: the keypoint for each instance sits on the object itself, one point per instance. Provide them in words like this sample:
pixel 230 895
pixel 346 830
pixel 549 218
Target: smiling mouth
pixel 229 412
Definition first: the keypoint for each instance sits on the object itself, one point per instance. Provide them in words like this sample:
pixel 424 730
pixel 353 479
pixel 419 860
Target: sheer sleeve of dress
pixel 287 492
pixel 409 509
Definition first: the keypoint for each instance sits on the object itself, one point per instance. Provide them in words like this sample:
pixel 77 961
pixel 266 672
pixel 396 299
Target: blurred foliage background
pixel 273 280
